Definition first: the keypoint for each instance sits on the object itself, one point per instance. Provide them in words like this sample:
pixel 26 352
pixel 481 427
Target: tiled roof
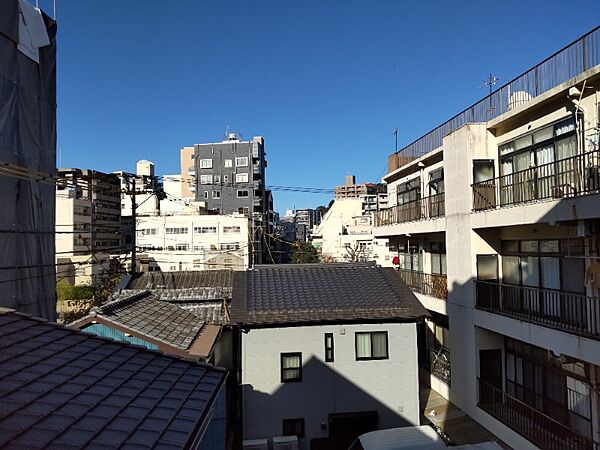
pixel 60 388
pixel 210 312
pixel 183 280
pixel 287 293
pixel 160 320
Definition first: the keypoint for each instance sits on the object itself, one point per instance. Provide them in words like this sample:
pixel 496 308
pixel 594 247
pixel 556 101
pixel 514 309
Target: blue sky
pixel 325 82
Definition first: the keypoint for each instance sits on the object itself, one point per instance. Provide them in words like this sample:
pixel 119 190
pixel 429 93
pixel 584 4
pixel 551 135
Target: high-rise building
pixel 495 219
pixel 230 178
pixel 28 154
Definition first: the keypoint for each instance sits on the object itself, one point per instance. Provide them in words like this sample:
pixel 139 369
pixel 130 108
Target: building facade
pixel 507 261
pixel 182 242
pixel 88 224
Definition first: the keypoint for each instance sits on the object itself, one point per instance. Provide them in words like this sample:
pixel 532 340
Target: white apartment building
pixel 495 218
pixel 193 242
pixel 345 234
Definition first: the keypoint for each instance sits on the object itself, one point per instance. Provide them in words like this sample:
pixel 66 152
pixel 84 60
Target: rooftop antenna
pixel 395 133
pixel 490 82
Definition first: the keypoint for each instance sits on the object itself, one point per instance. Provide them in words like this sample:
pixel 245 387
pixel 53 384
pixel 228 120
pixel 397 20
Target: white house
pixel 328 351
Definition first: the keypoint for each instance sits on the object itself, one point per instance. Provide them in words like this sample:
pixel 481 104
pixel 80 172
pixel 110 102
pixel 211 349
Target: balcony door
pixel 490 373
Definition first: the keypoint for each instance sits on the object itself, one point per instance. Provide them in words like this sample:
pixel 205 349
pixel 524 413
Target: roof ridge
pixel 111 306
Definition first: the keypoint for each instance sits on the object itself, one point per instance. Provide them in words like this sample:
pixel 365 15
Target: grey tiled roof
pixel 287 293
pixel 144 313
pixel 210 312
pixel 60 388
pixel 183 280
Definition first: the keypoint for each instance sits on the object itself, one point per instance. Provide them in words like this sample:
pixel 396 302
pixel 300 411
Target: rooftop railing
pixel 566 311
pixel 420 209
pixel 569 177
pixel 538 428
pixel 572 60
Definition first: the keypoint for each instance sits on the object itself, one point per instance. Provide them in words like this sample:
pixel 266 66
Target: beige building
pixel 495 218
pixel 193 241
pixel 188 173
pixel 88 221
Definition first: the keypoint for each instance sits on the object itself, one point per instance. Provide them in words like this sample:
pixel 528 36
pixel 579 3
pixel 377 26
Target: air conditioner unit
pixel 255 444
pixel 285 443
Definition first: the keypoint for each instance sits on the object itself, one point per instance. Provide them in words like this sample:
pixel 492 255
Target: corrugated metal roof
pixel 60 388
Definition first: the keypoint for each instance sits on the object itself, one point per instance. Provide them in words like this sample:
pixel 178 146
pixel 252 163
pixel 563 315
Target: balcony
pixel 425 283
pixel 538 428
pixel 570 177
pixel 421 209
pixel 565 311
pixel 440 365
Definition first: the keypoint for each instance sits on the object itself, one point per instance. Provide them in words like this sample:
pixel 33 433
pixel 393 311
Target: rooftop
pixel 317 293
pixel 186 285
pixel 63 388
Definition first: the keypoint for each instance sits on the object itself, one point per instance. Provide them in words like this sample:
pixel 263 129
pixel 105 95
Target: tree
pixel 356 252
pixel 304 253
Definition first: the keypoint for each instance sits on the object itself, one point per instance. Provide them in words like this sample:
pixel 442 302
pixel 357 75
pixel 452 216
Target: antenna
pixel 395 133
pixel 490 82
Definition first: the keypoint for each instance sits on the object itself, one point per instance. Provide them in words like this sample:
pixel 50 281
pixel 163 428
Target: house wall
pixel 388 386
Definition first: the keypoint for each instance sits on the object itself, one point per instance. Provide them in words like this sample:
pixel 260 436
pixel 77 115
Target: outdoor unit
pixel 255 444
pixel 285 443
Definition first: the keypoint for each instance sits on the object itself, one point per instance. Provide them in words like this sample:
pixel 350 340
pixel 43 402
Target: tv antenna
pixel 395 133
pixel 490 82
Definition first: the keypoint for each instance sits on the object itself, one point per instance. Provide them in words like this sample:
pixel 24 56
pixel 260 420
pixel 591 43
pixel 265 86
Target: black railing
pixel 574 313
pixel 440 365
pixel 421 209
pixel 570 177
pixel 572 60
pixel 425 283
pixel 538 428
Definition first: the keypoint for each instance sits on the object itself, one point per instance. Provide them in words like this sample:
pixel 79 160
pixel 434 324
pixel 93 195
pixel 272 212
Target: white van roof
pixel 413 438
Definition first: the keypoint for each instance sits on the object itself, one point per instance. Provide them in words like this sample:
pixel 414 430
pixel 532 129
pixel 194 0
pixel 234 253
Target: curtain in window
pixel 567 166
pixel 291 366
pixel 506 185
pixel 523 179
pixel 551 280
pixel 545 171
pixel 530 275
pixel 379 345
pixel 510 270
pixel 363 345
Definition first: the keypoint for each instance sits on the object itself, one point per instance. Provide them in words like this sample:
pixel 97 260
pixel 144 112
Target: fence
pixel 426 283
pixel 423 208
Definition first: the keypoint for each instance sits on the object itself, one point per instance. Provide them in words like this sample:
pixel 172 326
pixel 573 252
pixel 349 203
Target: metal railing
pixel 572 60
pixel 538 428
pixel 440 365
pixel 421 209
pixel 425 283
pixel 573 313
pixel 570 177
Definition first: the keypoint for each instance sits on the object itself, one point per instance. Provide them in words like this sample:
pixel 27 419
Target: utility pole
pixel 134 220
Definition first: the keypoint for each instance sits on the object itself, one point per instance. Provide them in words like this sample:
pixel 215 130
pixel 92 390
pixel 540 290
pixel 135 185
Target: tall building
pixel 88 224
pixel 308 218
pixel 230 178
pixel 188 173
pixel 374 196
pixel 508 262
pixel 28 154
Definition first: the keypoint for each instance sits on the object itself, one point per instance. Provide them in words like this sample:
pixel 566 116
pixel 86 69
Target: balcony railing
pixel 538 428
pixel 570 177
pixel 421 209
pixel 425 283
pixel 572 60
pixel 573 313
pixel 440 365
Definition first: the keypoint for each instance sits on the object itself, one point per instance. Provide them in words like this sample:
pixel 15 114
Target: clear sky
pixel 324 82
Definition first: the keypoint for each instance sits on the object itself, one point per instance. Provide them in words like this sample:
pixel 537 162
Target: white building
pixel 332 356
pixel 193 242
pixel 345 234
pixel 495 215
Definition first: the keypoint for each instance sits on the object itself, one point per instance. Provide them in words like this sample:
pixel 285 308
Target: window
pixel 291 367
pixel 198 248
pixel 293 427
pixel 206 163
pixel 183 247
pixel 225 178
pixel 242 194
pixel 328 347
pixel 231 229
pixel 205 194
pixel 216 194
pixel 205 230
pixel 230 246
pixel 372 345
pixel 241 177
pixel 205 179
pixel 241 161
pixel 228 163
pixel 177 230
pixel 438 258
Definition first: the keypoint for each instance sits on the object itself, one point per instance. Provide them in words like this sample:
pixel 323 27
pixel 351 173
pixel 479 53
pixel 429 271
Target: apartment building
pixel 28 149
pixel 181 242
pixel 508 262
pixel 88 224
pixel 373 196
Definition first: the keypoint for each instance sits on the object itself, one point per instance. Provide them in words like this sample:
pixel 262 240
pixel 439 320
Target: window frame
pixel 243 196
pixel 241 161
pixel 329 349
pixel 228 163
pixel 372 358
pixel 241 177
pixel 206 163
pixel 299 368
pixel 299 420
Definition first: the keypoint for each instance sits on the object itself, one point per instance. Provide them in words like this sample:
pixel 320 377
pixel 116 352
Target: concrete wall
pixel 388 386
